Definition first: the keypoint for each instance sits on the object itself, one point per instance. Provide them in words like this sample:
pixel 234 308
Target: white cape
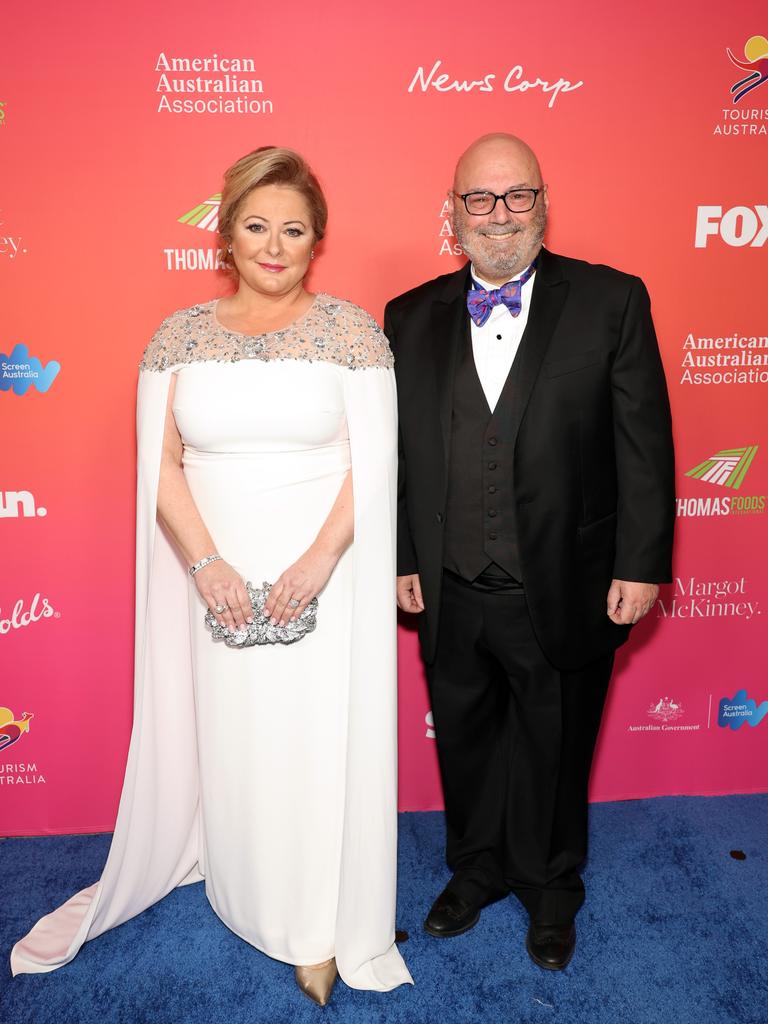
pixel 157 844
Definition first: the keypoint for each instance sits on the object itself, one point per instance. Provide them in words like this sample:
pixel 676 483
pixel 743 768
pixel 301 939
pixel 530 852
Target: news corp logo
pixel 738 227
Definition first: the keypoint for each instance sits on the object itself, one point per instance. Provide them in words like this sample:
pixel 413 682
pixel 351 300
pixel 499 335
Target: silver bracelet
pixel 202 563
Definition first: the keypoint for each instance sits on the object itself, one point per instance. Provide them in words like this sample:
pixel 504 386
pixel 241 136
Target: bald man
pixel 536 510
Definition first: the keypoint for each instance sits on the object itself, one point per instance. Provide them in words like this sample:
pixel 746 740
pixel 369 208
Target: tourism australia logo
pixel 204 216
pixel 725 470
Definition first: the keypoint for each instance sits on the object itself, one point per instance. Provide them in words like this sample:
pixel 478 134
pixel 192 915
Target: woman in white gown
pixel 267 437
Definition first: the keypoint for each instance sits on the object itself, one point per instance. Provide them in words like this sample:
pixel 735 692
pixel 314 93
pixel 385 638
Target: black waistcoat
pixel 480 527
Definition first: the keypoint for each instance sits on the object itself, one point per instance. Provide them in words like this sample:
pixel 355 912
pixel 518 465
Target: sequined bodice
pixel 332 330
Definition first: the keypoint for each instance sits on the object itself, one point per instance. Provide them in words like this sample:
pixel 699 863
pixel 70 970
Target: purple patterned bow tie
pixel 480 301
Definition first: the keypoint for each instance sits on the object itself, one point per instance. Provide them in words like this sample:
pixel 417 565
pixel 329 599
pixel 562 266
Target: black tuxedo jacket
pixel 593 462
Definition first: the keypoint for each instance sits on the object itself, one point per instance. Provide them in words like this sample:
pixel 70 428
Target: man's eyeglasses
pixel 517 200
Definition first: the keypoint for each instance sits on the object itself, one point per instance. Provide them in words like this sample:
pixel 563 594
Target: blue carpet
pixel 673 932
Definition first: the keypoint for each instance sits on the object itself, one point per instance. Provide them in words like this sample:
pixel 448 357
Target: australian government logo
pixel 19 371
pixel 692 598
pixel 664 714
pixel 749 73
pixel 14 729
pixel 205 217
pixel 731 359
pixel 210 85
pixel 724 473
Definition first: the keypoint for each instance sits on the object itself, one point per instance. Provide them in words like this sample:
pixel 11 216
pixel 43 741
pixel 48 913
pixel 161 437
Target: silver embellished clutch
pixel 261 630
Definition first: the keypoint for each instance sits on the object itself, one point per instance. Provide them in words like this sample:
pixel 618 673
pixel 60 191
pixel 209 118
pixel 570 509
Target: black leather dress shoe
pixel 550 946
pixel 451 915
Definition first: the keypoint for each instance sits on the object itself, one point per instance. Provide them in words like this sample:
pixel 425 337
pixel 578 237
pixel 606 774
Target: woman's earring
pixel 312 254
pixel 229 249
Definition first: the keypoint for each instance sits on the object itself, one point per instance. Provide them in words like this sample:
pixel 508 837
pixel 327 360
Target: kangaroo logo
pixel 756 66
pixel 11 728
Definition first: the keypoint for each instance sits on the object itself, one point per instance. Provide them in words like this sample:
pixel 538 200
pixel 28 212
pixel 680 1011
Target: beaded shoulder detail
pixel 332 331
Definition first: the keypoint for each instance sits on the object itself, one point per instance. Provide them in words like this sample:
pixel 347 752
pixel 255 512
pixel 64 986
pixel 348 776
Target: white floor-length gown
pixel 269 772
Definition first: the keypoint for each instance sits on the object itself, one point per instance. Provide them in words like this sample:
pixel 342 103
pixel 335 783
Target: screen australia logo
pixel 204 216
pixel 726 471
pixel 19 371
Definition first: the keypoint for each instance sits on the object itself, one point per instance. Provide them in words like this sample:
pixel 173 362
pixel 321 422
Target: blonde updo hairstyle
pixel 268 165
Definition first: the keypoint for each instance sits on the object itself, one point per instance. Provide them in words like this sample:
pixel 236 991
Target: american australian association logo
pixel 725 470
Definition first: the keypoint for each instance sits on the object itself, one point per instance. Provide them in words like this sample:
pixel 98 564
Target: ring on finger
pixel 294 603
pixel 220 608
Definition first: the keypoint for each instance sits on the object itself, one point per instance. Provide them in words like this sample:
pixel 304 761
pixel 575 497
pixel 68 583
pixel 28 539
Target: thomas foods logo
pixel 737 227
pixel 734 711
pixel 727 468
pixel 204 216
pixel 726 471
pixel 19 371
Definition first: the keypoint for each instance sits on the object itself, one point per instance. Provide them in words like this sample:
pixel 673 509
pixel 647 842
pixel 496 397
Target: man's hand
pixel 629 602
pixel 409 597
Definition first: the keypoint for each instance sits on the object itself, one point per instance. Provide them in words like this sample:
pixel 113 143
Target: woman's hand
pixel 299 583
pixel 221 587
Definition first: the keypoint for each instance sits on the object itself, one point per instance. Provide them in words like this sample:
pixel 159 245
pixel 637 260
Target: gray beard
pixel 492 263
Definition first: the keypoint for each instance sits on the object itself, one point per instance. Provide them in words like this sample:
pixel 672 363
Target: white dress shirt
pixel 495 344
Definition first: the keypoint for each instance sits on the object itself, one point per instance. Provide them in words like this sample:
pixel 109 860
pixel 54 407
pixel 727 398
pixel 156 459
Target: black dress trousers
pixel 515 739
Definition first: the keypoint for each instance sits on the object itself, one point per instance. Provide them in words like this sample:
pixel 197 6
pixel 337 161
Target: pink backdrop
pixel 654 166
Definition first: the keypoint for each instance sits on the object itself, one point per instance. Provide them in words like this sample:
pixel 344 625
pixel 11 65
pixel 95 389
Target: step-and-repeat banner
pixel 116 123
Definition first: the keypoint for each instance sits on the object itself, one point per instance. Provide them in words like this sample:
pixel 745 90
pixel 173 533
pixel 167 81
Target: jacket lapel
pixel 550 291
pixel 449 324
